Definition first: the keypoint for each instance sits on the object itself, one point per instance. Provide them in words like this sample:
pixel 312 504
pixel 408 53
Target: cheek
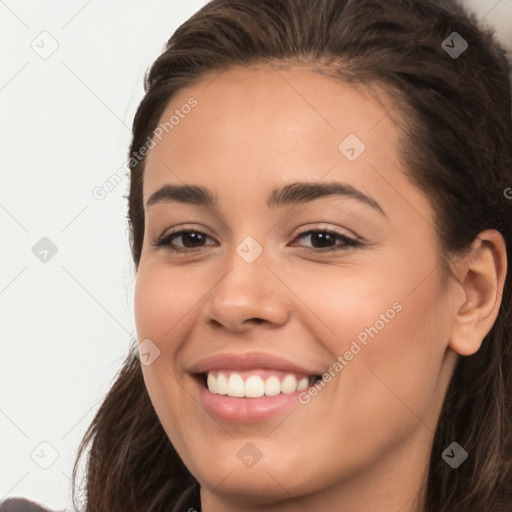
pixel 161 299
pixel 160 307
pixel 392 333
pixel 398 369
pixel 348 304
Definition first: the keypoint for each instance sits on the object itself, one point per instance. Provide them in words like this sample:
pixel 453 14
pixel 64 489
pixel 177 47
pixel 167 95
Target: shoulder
pixel 21 505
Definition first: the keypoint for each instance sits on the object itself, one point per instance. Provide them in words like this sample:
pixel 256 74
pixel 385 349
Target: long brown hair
pixel 457 147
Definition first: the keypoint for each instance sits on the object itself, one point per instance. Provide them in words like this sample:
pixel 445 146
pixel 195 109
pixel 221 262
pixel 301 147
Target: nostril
pixel 256 320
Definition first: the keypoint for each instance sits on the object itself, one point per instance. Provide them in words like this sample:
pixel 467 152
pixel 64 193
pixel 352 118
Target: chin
pixel 260 485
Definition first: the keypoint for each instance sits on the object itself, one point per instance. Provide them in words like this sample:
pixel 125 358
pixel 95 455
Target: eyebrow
pixel 291 194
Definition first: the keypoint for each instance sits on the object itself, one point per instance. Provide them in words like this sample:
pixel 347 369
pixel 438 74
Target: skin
pixel 363 443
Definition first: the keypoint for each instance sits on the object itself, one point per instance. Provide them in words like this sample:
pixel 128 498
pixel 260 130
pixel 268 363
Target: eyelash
pixel 165 241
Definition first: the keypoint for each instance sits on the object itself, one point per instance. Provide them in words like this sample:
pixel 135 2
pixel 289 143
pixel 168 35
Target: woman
pixel 320 219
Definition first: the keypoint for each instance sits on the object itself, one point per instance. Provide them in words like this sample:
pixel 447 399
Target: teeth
pixel 235 385
pixel 272 386
pixel 254 386
pixel 289 385
pixel 222 384
pixel 303 384
pixel 210 381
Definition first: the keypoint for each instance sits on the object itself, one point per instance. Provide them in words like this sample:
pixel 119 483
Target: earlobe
pixel 482 277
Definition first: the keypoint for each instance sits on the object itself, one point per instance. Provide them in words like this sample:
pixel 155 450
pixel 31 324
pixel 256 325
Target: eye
pixel 192 239
pixel 322 240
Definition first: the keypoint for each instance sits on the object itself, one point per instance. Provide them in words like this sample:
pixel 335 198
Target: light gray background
pixel 66 323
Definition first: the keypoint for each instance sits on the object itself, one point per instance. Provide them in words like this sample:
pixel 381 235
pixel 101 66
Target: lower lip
pixel 246 410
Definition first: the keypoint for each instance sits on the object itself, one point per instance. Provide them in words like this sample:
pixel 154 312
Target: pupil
pixel 193 237
pixel 324 238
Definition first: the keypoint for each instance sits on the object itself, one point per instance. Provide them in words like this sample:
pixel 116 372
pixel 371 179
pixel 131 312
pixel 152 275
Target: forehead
pixel 267 107
pixel 268 126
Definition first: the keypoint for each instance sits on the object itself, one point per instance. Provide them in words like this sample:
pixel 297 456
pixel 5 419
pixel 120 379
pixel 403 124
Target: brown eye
pixel 190 241
pixel 325 240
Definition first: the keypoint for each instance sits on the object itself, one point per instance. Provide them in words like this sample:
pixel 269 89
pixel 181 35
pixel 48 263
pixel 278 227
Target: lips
pixel 250 387
pixel 251 361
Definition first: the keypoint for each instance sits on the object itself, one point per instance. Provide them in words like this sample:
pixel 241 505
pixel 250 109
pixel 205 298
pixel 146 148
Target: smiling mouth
pixel 255 384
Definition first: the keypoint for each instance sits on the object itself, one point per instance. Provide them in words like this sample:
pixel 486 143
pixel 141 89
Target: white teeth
pixel 235 385
pixel 210 381
pixel 272 386
pixel 222 384
pixel 302 385
pixel 289 385
pixel 254 386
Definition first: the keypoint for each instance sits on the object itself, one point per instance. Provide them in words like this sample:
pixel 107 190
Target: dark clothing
pixel 21 505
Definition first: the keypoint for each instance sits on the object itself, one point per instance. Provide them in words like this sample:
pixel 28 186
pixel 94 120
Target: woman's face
pixel 287 283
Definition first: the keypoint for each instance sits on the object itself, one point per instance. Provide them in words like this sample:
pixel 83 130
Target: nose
pixel 248 294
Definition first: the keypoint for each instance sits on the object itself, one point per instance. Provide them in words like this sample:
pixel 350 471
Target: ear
pixel 481 276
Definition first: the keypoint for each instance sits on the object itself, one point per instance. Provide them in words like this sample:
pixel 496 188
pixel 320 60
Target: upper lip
pixel 248 361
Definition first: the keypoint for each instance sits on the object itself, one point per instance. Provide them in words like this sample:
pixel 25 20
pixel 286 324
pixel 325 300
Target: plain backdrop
pixel 71 78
